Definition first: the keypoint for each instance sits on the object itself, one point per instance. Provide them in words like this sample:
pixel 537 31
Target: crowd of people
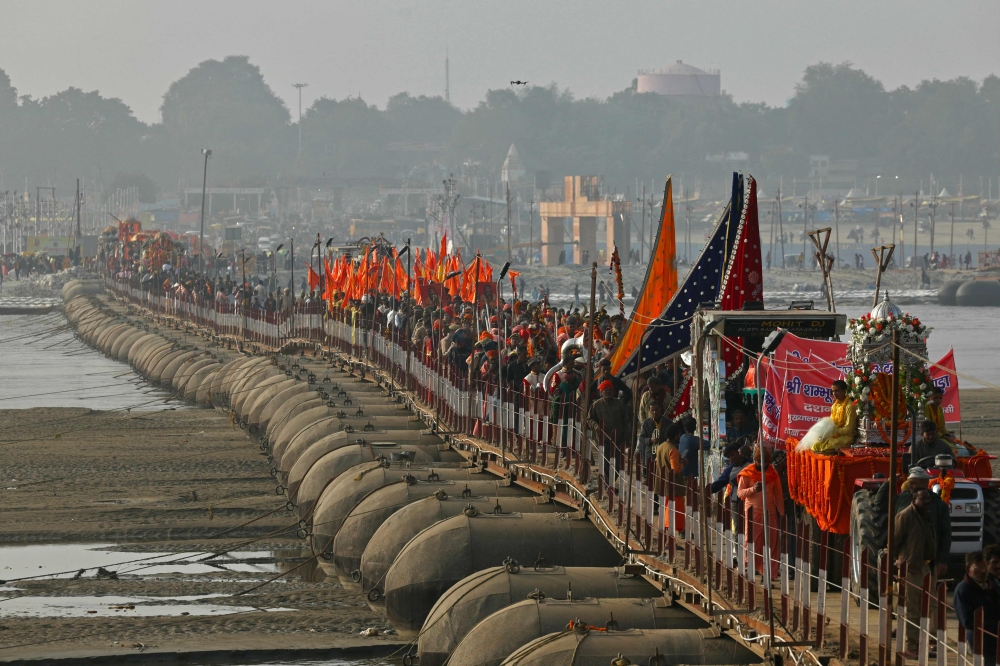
pixel 530 349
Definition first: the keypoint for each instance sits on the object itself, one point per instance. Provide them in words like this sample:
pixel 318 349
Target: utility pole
pixel 687 217
pixel 78 212
pixel 201 234
pixel 781 229
pixel 642 231
pixel 916 207
pixel 531 230
pixel 893 453
pixel 508 223
pixel 951 250
pixel 805 228
pixel 300 86
pixel 836 228
pixel 933 206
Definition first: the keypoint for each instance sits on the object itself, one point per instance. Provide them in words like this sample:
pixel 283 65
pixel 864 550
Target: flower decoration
pixel 868 330
pixel 859 386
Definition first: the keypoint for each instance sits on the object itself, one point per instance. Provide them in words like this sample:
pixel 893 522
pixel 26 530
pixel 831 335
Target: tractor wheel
pixel 991 516
pixel 868 530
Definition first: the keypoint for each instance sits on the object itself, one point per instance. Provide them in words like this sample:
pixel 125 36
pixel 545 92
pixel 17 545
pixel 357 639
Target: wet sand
pixel 167 481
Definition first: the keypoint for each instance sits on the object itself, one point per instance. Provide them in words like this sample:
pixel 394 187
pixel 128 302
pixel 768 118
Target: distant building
pixel 512 170
pixel 680 79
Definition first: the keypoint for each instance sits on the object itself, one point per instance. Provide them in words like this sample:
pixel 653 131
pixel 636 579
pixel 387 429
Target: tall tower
pixel 447 78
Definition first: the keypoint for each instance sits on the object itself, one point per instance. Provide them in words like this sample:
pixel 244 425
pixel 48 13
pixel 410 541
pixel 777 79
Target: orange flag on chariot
pixel 658 288
pixel 313 277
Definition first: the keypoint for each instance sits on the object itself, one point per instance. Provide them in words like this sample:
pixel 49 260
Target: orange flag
pixel 659 286
pixel 330 286
pixel 402 281
pixel 469 279
pixel 418 266
pixel 360 279
pixel 313 277
pixel 347 282
pixel 513 275
pixel 444 249
pixel 387 275
pixel 430 265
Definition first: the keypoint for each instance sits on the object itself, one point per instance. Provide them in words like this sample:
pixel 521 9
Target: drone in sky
pixel 518 83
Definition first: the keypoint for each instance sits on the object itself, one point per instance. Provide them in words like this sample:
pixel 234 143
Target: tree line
pixel 943 128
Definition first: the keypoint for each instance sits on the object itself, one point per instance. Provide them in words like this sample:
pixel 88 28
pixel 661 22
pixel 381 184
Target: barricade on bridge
pixel 705 546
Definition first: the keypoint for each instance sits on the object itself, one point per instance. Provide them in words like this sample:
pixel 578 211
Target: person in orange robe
pixel 668 458
pixel 750 489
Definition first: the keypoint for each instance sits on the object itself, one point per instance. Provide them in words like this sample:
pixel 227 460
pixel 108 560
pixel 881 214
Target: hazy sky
pixel 134 49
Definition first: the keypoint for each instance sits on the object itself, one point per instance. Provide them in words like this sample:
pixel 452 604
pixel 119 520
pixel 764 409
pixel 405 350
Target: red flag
pixel 945 377
pixel 744 281
pixel 313 277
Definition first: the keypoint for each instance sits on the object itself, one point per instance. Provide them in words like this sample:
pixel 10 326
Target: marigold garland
pixel 946 483
pixel 616 267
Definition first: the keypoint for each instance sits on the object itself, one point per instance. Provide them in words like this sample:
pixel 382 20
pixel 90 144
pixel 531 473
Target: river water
pixel 972 332
pixel 43 364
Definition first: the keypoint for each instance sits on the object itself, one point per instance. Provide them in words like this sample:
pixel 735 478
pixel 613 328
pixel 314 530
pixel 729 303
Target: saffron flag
pixel 470 278
pixel 402 280
pixel 945 377
pixel 513 275
pixel 418 267
pixel 658 288
pixel 328 291
pixel 313 277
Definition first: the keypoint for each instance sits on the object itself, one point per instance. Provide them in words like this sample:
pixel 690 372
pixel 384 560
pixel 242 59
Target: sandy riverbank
pixel 170 481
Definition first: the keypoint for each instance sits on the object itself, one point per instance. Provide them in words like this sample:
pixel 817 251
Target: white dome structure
pixel 680 79
pixel 885 309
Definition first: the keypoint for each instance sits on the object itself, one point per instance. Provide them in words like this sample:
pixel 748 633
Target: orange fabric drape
pixel 824 484
pixel 659 287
